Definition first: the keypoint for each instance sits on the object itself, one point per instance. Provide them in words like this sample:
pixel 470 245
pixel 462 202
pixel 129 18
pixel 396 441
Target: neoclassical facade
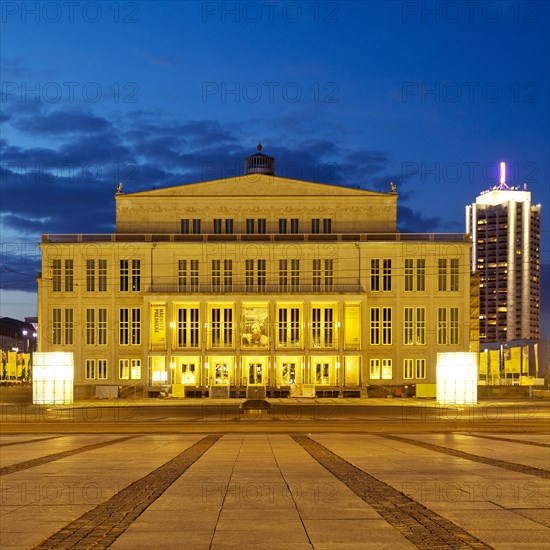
pixel 254 285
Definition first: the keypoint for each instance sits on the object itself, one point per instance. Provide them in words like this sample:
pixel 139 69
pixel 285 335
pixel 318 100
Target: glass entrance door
pixel 256 374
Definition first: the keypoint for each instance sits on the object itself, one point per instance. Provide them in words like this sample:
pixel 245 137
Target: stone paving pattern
pixel 256 491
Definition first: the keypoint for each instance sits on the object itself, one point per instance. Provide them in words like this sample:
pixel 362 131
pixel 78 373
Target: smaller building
pixel 17 344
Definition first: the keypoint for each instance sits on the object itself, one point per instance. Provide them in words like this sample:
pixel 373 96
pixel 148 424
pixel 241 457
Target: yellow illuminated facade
pixel 254 286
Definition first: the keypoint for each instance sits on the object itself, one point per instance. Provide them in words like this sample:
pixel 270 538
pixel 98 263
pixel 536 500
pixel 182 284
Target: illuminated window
pixel 288 327
pixel 124 369
pixel 135 369
pixel 188 327
pixel 386 369
pixel 221 327
pixel 322 327
pixel 375 369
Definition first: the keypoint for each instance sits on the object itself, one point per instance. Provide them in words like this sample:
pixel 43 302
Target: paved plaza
pixel 275 490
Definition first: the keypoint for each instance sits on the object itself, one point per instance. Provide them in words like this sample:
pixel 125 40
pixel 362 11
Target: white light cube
pixel 53 378
pixel 456 374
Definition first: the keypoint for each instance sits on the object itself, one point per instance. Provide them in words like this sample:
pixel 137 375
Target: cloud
pixel 59 123
pixel 412 221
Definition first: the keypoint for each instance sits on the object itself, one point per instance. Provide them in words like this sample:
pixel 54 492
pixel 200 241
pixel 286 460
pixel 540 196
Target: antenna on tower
pixel 503 184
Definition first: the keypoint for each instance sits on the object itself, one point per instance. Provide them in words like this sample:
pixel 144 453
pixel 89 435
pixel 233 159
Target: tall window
pixel 374 369
pixel 454 276
pixel 188 327
pixel 283 275
pixel 442 327
pixel 421 275
pixel 69 275
pixel 249 275
pixel 414 368
pixel 217 226
pixel 221 327
pixel 262 226
pixel 316 274
pixel 408 369
pixel 282 226
pixel 386 326
pixel 294 224
pixel 420 367
pixel 289 327
pixel 56 275
pixel 294 275
pixel 69 326
pixel 102 369
pixel 411 279
pixel 216 275
pixel 90 275
pixel 90 369
pixel 227 275
pixel 414 325
pixel 327 225
pixel 124 275
pixel 386 275
pixel 409 272
pixel 375 275
pixel 322 327
pixel 56 326
pixel 255 275
pixel 250 226
pixel 130 326
pixel 185 226
pixel 442 274
pixel 188 275
pixel 102 326
pixel 453 328
pixel 374 326
pixel 191 226
pixel 322 274
pixel 90 326
pixel 386 369
pixel 229 226
pixel 129 369
pixel 102 275
pixel 262 275
pixel 316 225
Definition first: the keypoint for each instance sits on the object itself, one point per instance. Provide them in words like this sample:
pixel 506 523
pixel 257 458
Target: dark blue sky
pixel 430 95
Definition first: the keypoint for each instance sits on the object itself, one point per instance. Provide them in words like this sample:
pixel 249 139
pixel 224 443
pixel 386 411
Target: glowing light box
pixel 53 378
pixel 456 374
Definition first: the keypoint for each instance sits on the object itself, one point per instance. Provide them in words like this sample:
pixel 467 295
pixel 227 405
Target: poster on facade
pixel 494 362
pixel 525 360
pixel 483 360
pixel 158 327
pixel 254 327
pixel 514 364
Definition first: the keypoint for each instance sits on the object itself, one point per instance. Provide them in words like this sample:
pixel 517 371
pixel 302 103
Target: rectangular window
pixel 294 275
pixel 262 275
pixel 221 322
pixel 188 327
pixel 421 325
pixel 283 274
pixel 386 275
pixel 421 275
pixel 69 275
pixel 315 226
pixel 374 326
pixel 56 275
pixel 102 326
pixel 249 275
pixel 185 227
pixel 136 275
pixel 136 326
pixel 441 325
pixel 194 275
pixel 420 368
pixel 196 226
pixel 229 226
pixel 375 275
pixel 124 369
pixel 262 226
pixel 69 326
pixel 216 275
pixel 408 369
pixel 375 369
pixel 316 274
pixel 453 328
pixel 217 226
pixel 327 225
pixel 123 275
pixel 294 224
pixel 228 275
pixel 289 327
pixel 409 272
pixel 386 369
pixel 386 326
pixel 124 327
pixel 102 369
pixel 90 327
pixel 102 276
pixel 408 326
pixel 56 326
pixel 442 274
pixel 329 274
pixel 90 275
pixel 282 226
pixel 182 275
pixel 322 327
pixel 135 369
pixel 90 369
pixel 454 275
pixel 250 226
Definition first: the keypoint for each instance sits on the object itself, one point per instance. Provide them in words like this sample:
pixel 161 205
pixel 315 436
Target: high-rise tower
pixel 505 231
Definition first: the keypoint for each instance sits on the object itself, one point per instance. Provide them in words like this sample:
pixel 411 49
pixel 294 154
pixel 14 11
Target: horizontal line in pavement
pixel 523 442
pixel 29 441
